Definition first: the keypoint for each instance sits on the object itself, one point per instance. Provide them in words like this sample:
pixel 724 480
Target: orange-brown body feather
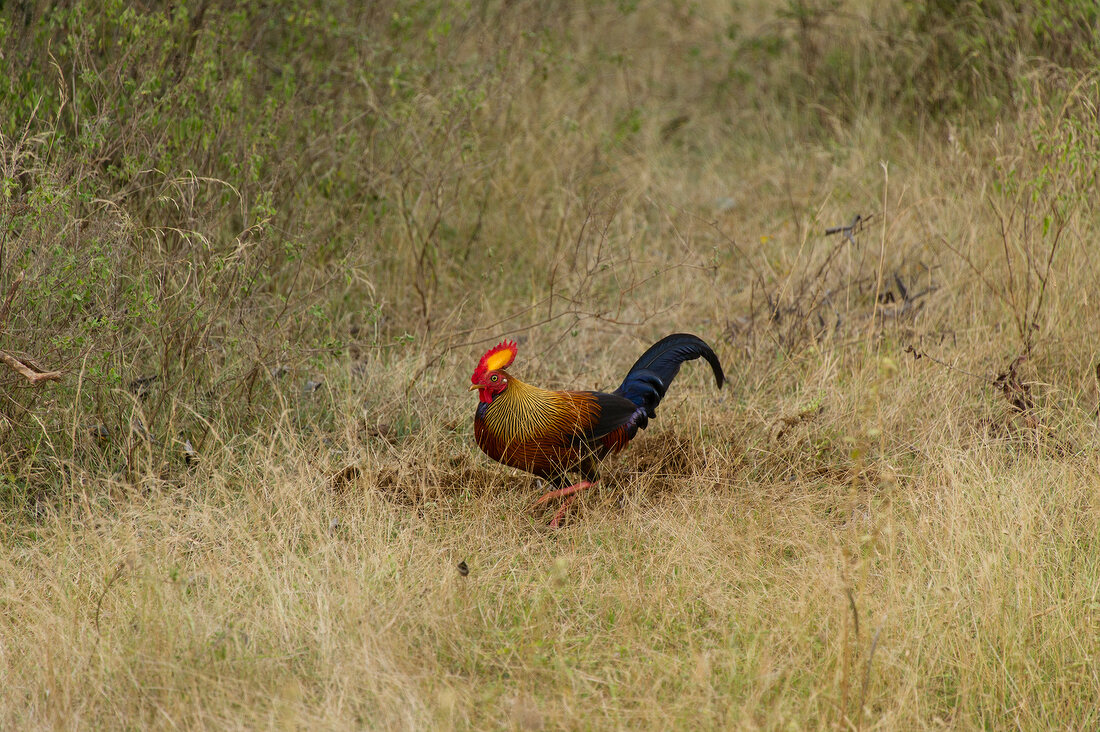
pixel 549 432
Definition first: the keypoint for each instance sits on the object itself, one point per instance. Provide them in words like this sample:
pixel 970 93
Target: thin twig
pixel 4 237
pixel 867 678
pixel 1097 413
pixel 1043 286
pixel 10 297
pixel 855 610
pixel 99 603
pixel 882 245
pixel 917 355
pixel 854 227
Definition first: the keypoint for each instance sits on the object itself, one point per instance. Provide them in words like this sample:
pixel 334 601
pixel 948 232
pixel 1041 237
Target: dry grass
pixel 693 594
pixel 847 536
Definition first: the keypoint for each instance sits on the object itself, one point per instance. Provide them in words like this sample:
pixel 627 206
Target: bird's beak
pixel 476 386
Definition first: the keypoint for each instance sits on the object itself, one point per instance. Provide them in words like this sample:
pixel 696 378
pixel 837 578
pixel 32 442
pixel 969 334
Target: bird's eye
pixel 494 377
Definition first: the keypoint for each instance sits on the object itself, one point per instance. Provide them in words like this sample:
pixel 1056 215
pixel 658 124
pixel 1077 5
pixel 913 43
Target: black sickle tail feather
pixel 650 376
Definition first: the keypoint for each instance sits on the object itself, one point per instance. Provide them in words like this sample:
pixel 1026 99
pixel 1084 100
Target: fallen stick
pixel 35 377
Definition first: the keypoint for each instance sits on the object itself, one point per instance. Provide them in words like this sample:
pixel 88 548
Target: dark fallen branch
pixel 909 302
pixel 854 227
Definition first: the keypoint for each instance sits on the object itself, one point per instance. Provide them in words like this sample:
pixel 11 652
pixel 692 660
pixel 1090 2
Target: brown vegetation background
pixel 263 247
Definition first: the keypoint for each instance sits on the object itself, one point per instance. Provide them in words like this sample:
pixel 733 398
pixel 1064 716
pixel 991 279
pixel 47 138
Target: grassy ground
pixel 886 520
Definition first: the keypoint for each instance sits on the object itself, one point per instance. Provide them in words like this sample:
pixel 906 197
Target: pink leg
pixel 562 492
pixel 569 494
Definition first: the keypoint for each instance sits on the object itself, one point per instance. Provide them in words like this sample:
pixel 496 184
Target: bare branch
pixel 33 376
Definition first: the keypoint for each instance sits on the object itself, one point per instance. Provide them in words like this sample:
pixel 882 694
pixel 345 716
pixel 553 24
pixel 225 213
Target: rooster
pixel 553 433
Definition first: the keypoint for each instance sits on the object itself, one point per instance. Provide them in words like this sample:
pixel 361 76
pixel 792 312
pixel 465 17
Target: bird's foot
pixel 569 494
pixel 556 521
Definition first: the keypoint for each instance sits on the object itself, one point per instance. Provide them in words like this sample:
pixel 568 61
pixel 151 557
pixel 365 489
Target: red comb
pixel 498 357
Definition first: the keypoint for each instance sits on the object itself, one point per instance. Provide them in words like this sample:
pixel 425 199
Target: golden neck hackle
pixel 523 412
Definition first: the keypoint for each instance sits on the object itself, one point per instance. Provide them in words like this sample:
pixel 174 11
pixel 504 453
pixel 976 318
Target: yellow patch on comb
pixel 500 359
pixel 496 358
